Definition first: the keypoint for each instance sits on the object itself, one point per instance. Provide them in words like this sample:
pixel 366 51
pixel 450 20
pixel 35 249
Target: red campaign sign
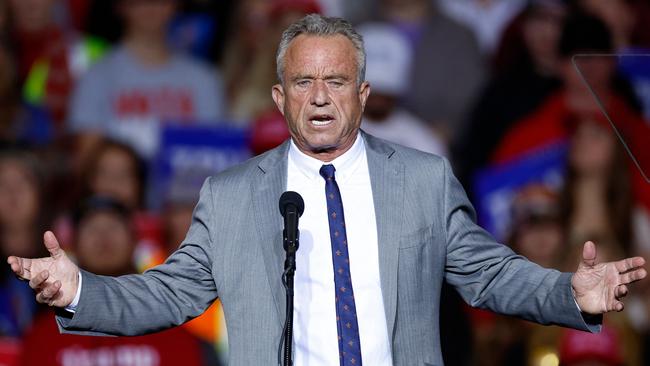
pixel 43 345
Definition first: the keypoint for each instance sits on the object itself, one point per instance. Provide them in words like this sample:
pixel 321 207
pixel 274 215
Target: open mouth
pixel 321 119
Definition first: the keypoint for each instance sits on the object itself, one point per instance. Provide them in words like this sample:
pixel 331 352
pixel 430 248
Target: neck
pixel 326 156
pixel 586 188
pixel 149 49
pixel 590 213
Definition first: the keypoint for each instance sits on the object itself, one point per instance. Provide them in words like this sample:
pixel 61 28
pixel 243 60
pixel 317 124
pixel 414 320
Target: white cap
pixel 388 58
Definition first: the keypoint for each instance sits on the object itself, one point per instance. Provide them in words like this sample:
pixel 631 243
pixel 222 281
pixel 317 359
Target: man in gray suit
pixel 407 220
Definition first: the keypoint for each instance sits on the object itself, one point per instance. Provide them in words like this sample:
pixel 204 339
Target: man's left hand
pixel 599 287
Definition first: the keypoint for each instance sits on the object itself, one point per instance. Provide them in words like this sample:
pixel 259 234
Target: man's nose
pixel 319 94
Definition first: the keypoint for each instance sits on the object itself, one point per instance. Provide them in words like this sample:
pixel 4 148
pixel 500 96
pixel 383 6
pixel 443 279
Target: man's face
pixel 319 97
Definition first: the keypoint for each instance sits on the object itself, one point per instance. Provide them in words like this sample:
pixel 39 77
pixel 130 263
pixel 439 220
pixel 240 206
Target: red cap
pixel 268 131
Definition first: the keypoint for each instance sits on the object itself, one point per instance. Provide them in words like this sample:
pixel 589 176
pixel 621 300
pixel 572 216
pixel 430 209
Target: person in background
pixel 487 19
pixel 448 69
pixel 249 22
pixel 626 20
pixel 143 84
pixel 115 170
pixel 526 71
pixel 598 200
pixel 536 230
pixel 250 63
pixel 551 125
pixel 50 57
pixel 104 239
pixel 388 65
pixel 21 219
pixel 104 243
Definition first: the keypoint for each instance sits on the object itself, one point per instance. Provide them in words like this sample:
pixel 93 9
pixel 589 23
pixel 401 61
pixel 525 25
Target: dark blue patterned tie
pixel 346 312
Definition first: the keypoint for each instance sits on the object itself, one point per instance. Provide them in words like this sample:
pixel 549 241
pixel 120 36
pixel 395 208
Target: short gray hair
pixel 318 25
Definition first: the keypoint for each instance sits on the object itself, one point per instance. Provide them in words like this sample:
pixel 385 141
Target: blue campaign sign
pixel 193 33
pixel 496 186
pixel 189 154
pixel 634 65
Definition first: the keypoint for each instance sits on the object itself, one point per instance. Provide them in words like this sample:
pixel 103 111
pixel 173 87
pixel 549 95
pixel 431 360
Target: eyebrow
pixel 337 76
pixel 300 77
pixel 328 77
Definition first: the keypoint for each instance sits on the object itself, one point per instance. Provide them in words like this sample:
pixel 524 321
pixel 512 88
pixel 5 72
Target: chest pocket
pixel 417 238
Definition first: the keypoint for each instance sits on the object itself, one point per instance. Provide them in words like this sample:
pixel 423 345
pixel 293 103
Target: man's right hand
pixel 55 278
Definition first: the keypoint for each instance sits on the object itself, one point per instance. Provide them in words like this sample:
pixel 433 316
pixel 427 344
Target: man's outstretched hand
pixel 599 287
pixel 55 278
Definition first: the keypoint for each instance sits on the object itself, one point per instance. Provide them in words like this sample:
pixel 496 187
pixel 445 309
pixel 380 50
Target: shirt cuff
pixel 574 299
pixel 75 302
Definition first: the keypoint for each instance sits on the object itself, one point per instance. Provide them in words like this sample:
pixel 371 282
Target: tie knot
pixel 327 171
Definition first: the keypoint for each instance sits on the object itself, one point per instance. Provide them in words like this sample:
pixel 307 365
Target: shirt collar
pixel 344 164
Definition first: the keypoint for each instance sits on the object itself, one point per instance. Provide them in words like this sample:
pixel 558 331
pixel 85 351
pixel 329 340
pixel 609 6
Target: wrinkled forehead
pixel 322 54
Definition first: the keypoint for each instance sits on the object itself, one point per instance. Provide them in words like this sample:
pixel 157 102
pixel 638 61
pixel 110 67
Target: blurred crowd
pixel 549 146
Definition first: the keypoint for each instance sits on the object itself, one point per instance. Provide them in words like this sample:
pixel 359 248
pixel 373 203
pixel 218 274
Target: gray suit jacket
pixel 233 251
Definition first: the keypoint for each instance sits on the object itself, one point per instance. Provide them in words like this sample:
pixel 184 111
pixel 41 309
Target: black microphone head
pixel 291 198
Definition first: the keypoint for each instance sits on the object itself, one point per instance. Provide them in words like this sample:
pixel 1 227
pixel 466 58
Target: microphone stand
pixel 291 246
pixel 291 207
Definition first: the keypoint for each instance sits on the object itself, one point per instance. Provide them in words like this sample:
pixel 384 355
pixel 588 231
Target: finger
pixel 620 292
pixel 38 280
pixel 48 293
pixel 633 276
pixel 589 254
pixel 627 264
pixel 41 298
pixel 55 298
pixel 619 306
pixel 19 265
pixel 52 244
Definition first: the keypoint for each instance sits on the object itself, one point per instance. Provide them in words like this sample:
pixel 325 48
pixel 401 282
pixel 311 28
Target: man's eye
pixel 335 84
pixel 304 83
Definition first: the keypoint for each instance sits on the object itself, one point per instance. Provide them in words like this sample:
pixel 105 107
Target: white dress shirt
pixel 315 335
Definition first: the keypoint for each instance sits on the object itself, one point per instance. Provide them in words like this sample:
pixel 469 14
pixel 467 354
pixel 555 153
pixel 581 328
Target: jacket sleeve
pixel 489 275
pixel 164 296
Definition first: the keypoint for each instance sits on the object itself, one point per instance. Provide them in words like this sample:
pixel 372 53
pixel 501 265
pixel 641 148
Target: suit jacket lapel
pixel 269 184
pixel 387 180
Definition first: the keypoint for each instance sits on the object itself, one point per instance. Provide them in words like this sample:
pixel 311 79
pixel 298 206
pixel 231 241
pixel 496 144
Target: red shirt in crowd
pixel 43 345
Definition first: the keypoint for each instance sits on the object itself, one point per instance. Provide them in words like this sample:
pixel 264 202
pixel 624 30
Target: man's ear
pixel 277 92
pixel 364 92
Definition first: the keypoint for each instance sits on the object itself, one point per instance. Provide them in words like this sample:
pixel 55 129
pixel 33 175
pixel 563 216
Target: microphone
pixel 291 208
